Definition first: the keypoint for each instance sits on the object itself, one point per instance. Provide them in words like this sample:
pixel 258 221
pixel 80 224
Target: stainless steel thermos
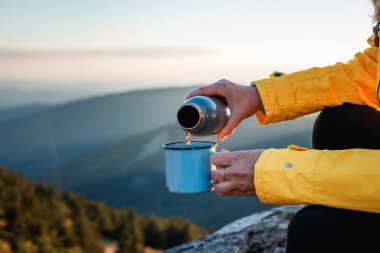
pixel 203 116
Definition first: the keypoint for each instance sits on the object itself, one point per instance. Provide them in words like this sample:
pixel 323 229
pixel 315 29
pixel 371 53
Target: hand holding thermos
pixel 243 102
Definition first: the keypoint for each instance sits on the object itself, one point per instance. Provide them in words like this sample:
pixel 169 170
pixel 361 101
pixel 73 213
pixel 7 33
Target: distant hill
pixel 59 133
pixel 12 95
pixel 109 148
pixel 17 112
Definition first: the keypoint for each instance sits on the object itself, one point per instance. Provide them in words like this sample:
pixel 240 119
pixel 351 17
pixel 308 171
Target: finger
pixel 215 89
pixel 230 127
pixel 221 174
pixel 225 188
pixel 233 130
pixel 221 159
pixel 217 175
pixel 210 90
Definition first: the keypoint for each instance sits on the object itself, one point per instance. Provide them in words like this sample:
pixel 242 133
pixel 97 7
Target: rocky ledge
pixel 261 232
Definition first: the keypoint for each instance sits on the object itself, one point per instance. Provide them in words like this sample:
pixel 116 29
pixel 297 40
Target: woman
pixel 339 178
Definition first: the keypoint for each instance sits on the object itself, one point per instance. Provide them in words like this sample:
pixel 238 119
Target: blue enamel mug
pixel 188 168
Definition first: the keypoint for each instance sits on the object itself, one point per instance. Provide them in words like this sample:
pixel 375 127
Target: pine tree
pixel 88 235
pixel 100 215
pixel 86 231
pixel 179 231
pixel 154 233
pixel 173 233
pixel 131 239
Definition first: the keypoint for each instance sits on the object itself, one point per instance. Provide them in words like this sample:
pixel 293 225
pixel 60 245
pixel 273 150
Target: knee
pixel 302 222
pixel 304 230
pixel 312 222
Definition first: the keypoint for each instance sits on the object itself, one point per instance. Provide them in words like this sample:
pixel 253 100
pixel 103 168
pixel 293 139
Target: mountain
pixel 53 136
pixel 18 93
pixel 109 148
pixel 12 113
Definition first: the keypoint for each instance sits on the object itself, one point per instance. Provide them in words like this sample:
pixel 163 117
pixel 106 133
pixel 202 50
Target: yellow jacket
pixel 347 179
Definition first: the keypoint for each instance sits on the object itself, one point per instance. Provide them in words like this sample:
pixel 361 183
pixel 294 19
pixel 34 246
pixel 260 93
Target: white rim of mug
pixel 166 146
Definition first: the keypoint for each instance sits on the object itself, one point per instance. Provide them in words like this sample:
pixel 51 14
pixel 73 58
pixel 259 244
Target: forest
pixel 35 218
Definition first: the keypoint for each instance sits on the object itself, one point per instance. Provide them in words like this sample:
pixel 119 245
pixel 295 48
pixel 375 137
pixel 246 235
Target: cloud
pixel 133 52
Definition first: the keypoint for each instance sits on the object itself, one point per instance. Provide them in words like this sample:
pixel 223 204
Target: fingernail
pixel 222 137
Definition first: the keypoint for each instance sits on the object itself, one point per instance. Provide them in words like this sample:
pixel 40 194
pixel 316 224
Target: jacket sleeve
pixel 348 179
pixel 290 96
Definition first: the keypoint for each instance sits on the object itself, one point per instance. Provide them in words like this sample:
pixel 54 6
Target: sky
pixel 121 45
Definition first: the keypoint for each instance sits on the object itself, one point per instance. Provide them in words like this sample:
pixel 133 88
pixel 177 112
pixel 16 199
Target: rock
pixel 260 232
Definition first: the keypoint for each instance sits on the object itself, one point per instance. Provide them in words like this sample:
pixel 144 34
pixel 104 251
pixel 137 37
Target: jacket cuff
pixel 278 172
pixel 275 92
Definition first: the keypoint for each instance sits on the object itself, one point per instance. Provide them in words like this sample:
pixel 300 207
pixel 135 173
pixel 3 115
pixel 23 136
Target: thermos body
pixel 203 116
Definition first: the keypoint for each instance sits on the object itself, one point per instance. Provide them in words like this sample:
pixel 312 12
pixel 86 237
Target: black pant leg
pixel 326 229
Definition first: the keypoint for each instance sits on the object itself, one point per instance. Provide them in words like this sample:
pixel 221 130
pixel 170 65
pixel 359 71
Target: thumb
pixel 230 127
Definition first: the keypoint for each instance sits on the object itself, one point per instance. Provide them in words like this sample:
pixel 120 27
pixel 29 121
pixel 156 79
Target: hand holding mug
pixel 235 172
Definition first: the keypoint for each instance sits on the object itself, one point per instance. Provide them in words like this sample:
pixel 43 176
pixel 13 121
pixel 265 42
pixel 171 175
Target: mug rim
pixel 166 146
